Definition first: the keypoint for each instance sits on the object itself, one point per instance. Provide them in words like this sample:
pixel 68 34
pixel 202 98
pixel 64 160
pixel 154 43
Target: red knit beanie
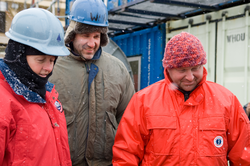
pixel 183 50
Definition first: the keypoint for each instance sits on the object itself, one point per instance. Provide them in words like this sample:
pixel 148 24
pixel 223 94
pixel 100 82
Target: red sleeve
pixel 238 136
pixel 128 149
pixel 7 130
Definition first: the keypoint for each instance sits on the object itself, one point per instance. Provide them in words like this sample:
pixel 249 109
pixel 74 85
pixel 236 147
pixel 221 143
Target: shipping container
pixel 144 50
pixel 225 37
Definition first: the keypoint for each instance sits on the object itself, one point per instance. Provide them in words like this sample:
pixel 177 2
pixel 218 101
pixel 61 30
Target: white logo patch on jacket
pixel 59 106
pixel 218 141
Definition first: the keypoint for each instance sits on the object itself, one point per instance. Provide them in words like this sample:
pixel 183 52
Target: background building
pixel 9 8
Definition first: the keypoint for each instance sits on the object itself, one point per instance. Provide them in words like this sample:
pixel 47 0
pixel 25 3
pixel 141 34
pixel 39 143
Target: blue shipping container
pixel 148 44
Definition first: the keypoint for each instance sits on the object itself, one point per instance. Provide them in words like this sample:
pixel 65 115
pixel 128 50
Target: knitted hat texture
pixel 183 50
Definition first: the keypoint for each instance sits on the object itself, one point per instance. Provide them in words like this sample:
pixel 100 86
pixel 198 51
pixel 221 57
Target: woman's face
pixel 42 65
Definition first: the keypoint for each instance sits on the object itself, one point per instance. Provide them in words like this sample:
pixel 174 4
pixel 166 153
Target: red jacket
pixel 32 132
pixel 160 128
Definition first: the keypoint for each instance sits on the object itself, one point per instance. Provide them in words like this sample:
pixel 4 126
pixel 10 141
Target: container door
pixel 233 56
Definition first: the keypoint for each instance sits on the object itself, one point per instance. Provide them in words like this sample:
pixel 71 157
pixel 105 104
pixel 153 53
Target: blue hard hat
pixel 39 29
pixel 91 12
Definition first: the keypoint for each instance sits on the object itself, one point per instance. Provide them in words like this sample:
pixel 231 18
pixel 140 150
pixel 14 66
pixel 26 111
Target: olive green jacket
pixel 92 111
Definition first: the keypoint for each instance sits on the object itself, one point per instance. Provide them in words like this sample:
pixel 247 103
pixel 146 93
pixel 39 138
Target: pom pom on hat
pixel 183 50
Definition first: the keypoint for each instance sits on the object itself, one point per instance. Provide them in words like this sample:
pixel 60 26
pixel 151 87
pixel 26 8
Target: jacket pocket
pixel 212 136
pixel 163 139
pixel 111 127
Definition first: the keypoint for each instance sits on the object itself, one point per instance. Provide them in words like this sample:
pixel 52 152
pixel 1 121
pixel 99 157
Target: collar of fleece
pixel 21 89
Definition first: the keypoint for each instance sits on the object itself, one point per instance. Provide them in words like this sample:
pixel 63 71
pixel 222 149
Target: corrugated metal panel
pixel 233 69
pixel 149 44
pixel 225 38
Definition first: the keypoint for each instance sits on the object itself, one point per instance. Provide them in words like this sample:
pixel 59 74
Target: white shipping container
pixel 225 38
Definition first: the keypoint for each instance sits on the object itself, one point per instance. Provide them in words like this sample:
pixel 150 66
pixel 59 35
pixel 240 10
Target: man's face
pixel 186 78
pixel 87 44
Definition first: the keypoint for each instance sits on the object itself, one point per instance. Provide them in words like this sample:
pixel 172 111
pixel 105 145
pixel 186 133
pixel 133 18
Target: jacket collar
pixel 21 89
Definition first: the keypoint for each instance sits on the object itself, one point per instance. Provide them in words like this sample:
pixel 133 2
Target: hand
pixel 248 109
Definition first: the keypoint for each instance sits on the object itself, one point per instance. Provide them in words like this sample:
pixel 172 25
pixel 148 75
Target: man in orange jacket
pixel 183 119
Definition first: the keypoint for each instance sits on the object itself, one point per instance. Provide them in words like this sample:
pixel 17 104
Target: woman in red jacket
pixel 32 124
pixel 183 120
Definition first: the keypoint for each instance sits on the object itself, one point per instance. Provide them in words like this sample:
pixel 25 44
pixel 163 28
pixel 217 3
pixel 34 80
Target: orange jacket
pixel 32 132
pixel 160 128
